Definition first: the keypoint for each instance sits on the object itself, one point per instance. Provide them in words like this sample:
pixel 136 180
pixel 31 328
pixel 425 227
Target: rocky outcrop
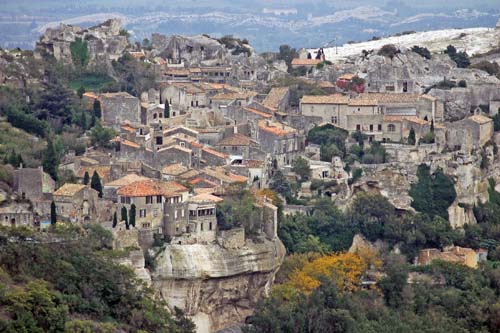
pixel 218 287
pixel 104 43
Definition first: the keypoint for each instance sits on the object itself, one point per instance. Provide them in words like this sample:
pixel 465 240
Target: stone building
pixel 76 203
pixel 277 99
pixel 470 133
pixel 223 100
pixel 283 142
pixel 35 185
pixel 16 215
pixel 455 254
pixel 202 217
pixel 236 144
pixel 184 95
pixel 159 205
pixel 110 189
pixel 118 108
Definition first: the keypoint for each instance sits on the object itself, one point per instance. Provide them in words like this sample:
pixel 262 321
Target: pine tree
pixel 166 113
pixel 20 160
pixel 432 126
pixel 95 183
pixel 115 220
pixel 13 159
pixel 411 137
pixel 132 215
pixel 124 216
pixel 97 108
pixel 86 178
pixel 53 214
pixel 50 161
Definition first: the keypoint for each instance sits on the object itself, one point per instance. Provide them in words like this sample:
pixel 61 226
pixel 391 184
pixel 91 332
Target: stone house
pixel 222 178
pixel 157 203
pixel 110 189
pixel 171 171
pixel 307 63
pixel 173 154
pixel 236 144
pixel 16 215
pixel 184 95
pixel 469 133
pixel 120 107
pixel 212 157
pixel 455 254
pixel 283 142
pixel 251 113
pixel 76 203
pixel 202 217
pixel 35 185
pixel 152 113
pixel 277 99
pixel 223 100
pixel 325 109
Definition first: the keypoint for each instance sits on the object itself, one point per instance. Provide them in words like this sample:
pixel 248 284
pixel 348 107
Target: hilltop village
pixel 195 150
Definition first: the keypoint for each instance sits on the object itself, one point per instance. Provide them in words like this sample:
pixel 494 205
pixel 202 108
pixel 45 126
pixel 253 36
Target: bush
pixel 422 51
pixel 491 68
pixel 388 50
pixel 460 58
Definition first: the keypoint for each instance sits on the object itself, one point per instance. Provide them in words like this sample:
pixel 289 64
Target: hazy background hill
pixel 267 24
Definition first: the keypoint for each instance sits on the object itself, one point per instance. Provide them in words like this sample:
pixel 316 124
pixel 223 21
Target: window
pixel 175 214
pixel 201 227
pixel 380 127
pixel 334 119
pixel 210 226
pixel 235 148
pixel 155 212
pixel 358 127
pixel 159 199
pixel 149 200
pixel 371 128
pixel 182 213
pixel 125 200
pixel 391 128
pixel 142 212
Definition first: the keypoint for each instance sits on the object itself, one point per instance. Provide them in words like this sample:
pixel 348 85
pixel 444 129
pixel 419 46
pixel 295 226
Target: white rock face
pixel 218 287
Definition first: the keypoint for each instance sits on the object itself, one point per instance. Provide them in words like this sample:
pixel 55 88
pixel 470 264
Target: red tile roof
pixel 150 187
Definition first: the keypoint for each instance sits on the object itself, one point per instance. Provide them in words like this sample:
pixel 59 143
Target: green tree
pixel 53 213
pixel 166 113
pixel 96 184
pixel 50 160
pixel 79 52
pixel 132 214
pixel 411 137
pixel 301 167
pixel 124 216
pixel 101 136
pixel 184 324
pixel 80 92
pixel 115 220
pixel 86 178
pixel 83 120
pixel 96 107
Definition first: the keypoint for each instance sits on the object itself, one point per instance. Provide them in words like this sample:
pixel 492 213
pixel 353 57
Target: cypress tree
pixel 124 216
pixel 53 214
pixel 115 220
pixel 132 215
pixel 97 108
pixel 411 137
pixel 50 161
pixel 95 183
pixel 13 159
pixel 166 113
pixel 83 120
pixel 80 92
pixel 86 178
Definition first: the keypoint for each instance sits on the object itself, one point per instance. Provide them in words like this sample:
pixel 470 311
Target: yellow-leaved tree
pixel 346 269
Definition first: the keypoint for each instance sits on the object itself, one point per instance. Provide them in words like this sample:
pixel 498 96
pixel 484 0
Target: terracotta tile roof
pixel 90 94
pixel 363 102
pixel 176 147
pixel 130 143
pixel 236 140
pixel 137 54
pixel 199 180
pixel 224 176
pixel 260 113
pixel 416 120
pixel 178 128
pixel 196 144
pixel 177 71
pixel 276 128
pixel 102 171
pixel 214 152
pixel 480 119
pixel 395 98
pixel 151 187
pixel 117 94
pixel 174 169
pixel 205 197
pixel 275 96
pixel 346 76
pixel 305 62
pixel 327 99
pixel 189 87
pixel 128 128
pixel 234 95
pixel 69 190
pixel 254 163
pixel 189 174
pixel 126 180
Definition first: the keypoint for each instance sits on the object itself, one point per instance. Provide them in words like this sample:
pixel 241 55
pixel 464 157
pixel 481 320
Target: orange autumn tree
pixel 346 269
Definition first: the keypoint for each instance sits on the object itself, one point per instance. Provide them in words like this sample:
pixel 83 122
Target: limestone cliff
pixel 217 286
